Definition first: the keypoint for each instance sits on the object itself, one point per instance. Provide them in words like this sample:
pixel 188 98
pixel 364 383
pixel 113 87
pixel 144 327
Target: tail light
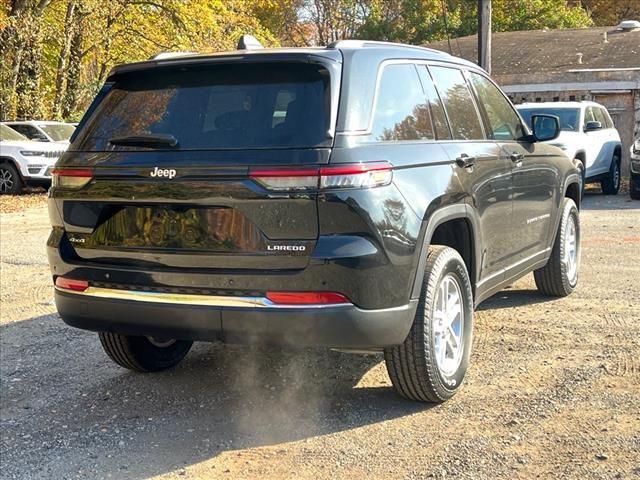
pixel 72 178
pixel 307 298
pixel 71 284
pixel 359 175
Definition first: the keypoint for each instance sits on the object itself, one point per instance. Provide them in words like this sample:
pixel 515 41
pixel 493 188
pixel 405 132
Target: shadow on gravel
pixel 595 200
pixel 91 415
pixel 514 298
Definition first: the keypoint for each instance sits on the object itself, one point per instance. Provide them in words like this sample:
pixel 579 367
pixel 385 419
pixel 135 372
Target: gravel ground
pixel 553 390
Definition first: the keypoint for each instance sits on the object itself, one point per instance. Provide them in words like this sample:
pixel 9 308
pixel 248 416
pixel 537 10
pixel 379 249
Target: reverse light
pixel 73 178
pixel 359 175
pixel 71 284
pixel 307 298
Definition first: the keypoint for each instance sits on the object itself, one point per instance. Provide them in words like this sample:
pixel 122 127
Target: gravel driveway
pixel 553 389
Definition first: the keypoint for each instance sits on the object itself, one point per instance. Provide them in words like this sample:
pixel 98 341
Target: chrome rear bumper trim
pixel 189 299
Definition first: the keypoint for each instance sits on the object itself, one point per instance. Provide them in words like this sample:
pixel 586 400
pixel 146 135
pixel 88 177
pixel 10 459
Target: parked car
pixel 41 131
pixel 24 162
pixel 634 187
pixel 365 197
pixel 587 135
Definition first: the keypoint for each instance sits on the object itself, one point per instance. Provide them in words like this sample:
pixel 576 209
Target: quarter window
pixel 462 113
pixel 401 111
pixel 505 122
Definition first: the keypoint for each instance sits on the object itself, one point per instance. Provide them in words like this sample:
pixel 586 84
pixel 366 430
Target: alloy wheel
pixel 571 250
pixel 448 325
pixel 6 180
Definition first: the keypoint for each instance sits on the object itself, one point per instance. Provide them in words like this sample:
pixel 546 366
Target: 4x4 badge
pixel 163 172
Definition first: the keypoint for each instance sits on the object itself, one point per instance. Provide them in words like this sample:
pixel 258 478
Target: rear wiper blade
pixel 146 140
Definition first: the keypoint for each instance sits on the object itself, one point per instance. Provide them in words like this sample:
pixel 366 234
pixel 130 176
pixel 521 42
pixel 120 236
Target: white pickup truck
pixel 587 135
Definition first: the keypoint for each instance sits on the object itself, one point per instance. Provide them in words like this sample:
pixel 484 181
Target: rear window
pixel 248 106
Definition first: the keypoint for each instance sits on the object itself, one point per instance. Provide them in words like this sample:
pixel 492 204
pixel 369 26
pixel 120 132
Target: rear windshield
pixel 58 131
pixel 569 117
pixel 248 106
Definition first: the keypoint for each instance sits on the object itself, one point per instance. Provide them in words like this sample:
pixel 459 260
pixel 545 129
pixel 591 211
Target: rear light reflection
pixel 360 175
pixel 307 298
pixel 72 178
pixel 71 284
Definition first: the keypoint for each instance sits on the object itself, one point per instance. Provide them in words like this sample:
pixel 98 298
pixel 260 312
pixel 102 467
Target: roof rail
pixel 365 43
pixel 165 55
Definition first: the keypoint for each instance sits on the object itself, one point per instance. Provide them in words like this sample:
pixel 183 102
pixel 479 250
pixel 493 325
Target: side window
pixel 505 122
pixel 589 115
pixel 435 105
pixel 463 117
pixel 401 111
pixel 26 130
pixel 602 117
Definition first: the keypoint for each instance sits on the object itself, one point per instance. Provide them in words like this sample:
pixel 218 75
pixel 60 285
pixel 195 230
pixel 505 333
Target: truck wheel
pixel 559 276
pixel 144 354
pixel 611 184
pixel 634 187
pixel 10 181
pixel 431 363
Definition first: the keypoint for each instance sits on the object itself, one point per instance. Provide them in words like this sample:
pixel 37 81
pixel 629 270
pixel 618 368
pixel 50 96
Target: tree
pixel 422 21
pixel 611 12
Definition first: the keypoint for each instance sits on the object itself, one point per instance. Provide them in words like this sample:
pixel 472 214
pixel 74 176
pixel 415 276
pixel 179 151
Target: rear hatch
pixel 159 174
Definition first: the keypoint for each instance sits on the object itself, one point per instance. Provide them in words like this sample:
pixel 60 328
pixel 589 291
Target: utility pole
pixel 484 34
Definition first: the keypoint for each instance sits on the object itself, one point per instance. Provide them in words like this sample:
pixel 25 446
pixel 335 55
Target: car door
pixel 487 177
pixel 535 180
pixel 598 158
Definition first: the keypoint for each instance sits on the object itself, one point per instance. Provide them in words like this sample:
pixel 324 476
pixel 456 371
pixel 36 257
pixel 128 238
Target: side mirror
pixel 591 126
pixel 545 127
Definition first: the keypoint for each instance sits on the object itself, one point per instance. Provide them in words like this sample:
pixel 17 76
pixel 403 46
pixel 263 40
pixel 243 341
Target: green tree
pixel 611 12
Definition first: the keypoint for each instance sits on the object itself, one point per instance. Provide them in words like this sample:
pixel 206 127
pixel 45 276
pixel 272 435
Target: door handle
pixel 516 157
pixel 465 161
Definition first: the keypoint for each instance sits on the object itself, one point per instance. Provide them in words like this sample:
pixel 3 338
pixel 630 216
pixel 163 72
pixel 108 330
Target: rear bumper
pixel 339 326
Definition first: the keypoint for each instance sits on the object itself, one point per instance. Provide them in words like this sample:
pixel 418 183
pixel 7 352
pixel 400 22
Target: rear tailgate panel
pixel 207 215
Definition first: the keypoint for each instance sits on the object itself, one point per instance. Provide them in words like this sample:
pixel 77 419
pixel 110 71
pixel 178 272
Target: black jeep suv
pixel 364 197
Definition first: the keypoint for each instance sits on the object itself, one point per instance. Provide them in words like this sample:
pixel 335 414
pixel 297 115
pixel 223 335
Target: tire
pixel 142 354
pixel 559 277
pixel 634 187
pixel 416 367
pixel 611 184
pixel 10 180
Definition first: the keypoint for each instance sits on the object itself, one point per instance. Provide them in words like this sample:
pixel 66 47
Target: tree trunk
pixel 73 76
pixel 63 58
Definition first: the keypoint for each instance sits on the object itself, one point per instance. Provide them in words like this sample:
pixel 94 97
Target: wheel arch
pixel 617 150
pixel 11 161
pixel 456 226
pixel 572 189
